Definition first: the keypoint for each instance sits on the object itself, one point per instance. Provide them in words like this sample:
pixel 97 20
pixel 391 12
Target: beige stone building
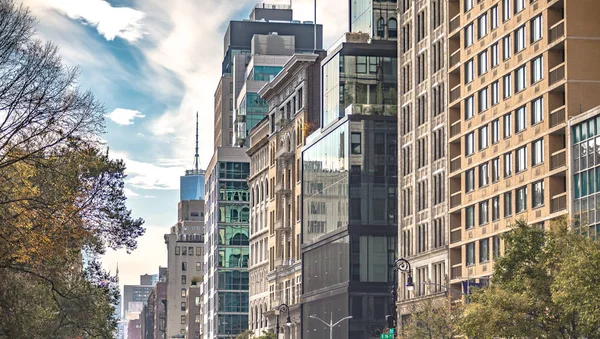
pixel 518 69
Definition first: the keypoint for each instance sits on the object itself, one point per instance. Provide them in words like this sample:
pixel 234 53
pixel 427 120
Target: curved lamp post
pixel 331 325
pixel 401 265
pixel 285 309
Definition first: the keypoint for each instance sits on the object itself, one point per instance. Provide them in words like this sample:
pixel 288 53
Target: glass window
pixel 470 260
pixel 469 71
pixel 520 39
pixel 494 17
pixel 470 180
pixel 495 169
pixel 508 164
pixel 496 208
pixel 507 86
pixel 470 217
pixel 483 100
pixel 483 137
pixel 520 80
pixel 177 250
pixel 483 213
pixel 183 292
pixel 519 5
pixel 482 26
pixel 496 246
pixel 536 28
pixel 507 204
pixel 355 141
pixel 495 93
pixel 537 156
pixel 484 175
pixel 183 322
pixel 468 5
pixel 537 198
pixel 521 122
pixel 521 160
pixel 184 266
pixel 521 200
pixel 469 144
pixel 507 120
pixel 198 266
pixel 537 69
pixel 380 28
pixel 506 10
pixel 183 279
pixel 183 250
pixel 483 65
pixel 361 64
pixel 495 131
pixel 506 47
pixel 469 108
pixel 484 250
pixel 393 28
pixel 537 110
pixel 494 55
pixel 469 35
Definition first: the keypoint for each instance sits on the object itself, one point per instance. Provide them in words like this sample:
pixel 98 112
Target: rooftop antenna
pixel 196 156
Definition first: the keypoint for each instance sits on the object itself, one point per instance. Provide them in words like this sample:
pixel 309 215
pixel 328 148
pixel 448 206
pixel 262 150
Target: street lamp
pixel 285 309
pixel 401 265
pixel 331 325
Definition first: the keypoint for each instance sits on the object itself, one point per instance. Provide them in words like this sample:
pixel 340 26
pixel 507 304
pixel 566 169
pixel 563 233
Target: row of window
pixel 184 266
pixel 428 237
pixel 507 11
pixel 520 205
pixel 520 154
pixel 183 250
pixel 484 250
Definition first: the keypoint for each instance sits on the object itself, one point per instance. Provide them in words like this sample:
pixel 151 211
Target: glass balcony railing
pixel 372 109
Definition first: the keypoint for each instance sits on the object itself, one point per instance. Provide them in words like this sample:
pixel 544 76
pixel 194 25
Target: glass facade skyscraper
pixel 191 185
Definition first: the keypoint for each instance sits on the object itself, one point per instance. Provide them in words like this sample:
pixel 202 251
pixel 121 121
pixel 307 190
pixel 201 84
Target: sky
pixel 154 63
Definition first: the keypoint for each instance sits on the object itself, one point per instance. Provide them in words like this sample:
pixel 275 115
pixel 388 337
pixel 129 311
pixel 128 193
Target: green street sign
pixel 391 330
pixel 386 336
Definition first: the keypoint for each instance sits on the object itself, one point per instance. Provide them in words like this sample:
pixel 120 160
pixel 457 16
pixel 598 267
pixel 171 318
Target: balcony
pixel 455 129
pixel 455 236
pixel 283 152
pixel 454 59
pixel 456 272
pixel 282 188
pixel 558 159
pixel 557 117
pixel 556 32
pixel 454 23
pixel 455 93
pixel 455 199
pixel 557 74
pixel 372 109
pixel 558 203
pixel 281 225
pixel 455 164
pixel 282 122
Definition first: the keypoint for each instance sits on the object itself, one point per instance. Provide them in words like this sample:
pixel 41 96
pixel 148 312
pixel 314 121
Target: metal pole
pixel 330 323
pixel 315 28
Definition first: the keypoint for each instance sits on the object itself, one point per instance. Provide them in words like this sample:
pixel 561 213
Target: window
pixel 507 204
pixel 507 125
pixel 469 144
pixel 198 266
pixel 495 93
pixel 483 213
pixel 537 68
pixel 537 198
pixel 519 5
pixel 183 250
pixel 484 250
pixel 184 266
pixel 483 100
pixel 183 320
pixel 521 160
pixel 520 39
pixel 536 28
pixel 484 175
pixel 469 217
pixel 537 111
pixel 495 131
pixel 355 143
pixel 470 254
pixel 469 71
pixel 506 10
pixel 469 35
pixel 482 26
pixel 177 250
pixel 468 5
pixel 483 137
pixel 494 53
pixel 380 28
pixel 482 63
pixel 183 279
pixel 470 180
pixel 198 249
pixel 521 122
pixel 506 47
pixel 495 169
pixel 393 28
pixel 496 246
pixel 507 164
pixel 520 81
pixel 469 109
pixel 537 156
pixel 496 208
pixel 521 200
pixel 494 17
pixel 507 86
pixel 183 292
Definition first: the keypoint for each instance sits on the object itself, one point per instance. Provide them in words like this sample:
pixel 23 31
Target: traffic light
pixel 391 321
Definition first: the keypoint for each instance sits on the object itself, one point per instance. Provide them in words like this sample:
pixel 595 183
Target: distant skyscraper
pixel 191 185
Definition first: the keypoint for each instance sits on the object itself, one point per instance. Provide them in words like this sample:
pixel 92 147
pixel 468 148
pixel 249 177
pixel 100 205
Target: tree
pixel 432 318
pixel 247 334
pixel 545 286
pixel 61 197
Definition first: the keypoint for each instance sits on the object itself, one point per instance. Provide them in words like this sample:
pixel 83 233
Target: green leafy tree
pixel 432 319
pixel 545 286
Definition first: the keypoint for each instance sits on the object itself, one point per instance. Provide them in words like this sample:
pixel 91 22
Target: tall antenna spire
pixel 196 156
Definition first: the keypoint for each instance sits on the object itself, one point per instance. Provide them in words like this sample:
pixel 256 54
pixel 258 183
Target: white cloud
pixel 111 22
pixel 146 175
pixel 123 116
pixel 130 193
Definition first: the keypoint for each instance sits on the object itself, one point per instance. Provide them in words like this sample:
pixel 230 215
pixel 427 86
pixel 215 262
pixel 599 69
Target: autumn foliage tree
pixel 61 197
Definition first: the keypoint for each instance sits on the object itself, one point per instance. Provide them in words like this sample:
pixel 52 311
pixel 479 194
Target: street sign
pixel 386 336
pixel 391 330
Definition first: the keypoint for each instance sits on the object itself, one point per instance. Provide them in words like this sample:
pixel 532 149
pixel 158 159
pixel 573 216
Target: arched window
pixel 393 28
pixel 380 28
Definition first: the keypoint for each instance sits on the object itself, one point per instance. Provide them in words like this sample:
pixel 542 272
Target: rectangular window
pixel 506 47
pixel 520 123
pixel 469 71
pixel 482 26
pixel 482 63
pixel 177 250
pixel 470 259
pixel 520 39
pixel 355 143
pixel 198 266
pixel 483 137
pixel 183 292
pixel 506 10
pixel 521 160
pixel 496 208
pixel 183 279
pixel 469 217
pixel 537 156
pixel 469 35
pixel 537 110
pixel 495 93
pixel 495 131
pixel 537 69
pixel 536 28
pixel 494 55
pixel 507 120
pixel 521 200
pixel 520 80
pixel 495 169
pixel 496 246
pixel 483 100
pixel 469 108
pixel 507 86
pixel 507 204
pixel 537 198
pixel 494 17
pixel 468 5
pixel 507 164
pixel 483 213
pixel 519 5
pixel 470 180
pixel 484 175
pixel 183 250
pixel 183 319
pixel 484 250
pixel 469 144
pixel 184 266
